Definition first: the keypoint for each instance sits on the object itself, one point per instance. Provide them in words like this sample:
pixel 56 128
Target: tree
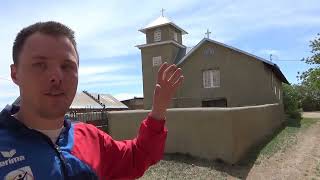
pixel 310 90
pixel 292 101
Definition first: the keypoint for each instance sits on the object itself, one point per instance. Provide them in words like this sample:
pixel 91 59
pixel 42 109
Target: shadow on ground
pixel 239 170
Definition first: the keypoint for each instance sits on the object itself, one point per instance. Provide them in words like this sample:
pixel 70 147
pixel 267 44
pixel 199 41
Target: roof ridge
pixel 277 69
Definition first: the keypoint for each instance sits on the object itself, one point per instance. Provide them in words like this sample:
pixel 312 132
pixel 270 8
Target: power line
pixel 288 60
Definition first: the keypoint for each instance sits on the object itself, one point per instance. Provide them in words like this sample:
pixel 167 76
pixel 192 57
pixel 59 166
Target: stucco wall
pixel 212 133
pixel 244 81
pixel 149 72
pixel 166 34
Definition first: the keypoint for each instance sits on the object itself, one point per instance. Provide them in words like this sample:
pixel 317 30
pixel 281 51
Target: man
pixel 36 142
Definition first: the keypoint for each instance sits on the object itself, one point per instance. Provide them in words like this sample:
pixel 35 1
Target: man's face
pixel 47 74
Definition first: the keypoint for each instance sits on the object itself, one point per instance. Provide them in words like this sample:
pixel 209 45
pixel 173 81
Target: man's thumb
pixel 157 89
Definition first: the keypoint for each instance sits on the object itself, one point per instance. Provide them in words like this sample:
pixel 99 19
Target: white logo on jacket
pixel 11 159
pixel 8 154
pixel 24 173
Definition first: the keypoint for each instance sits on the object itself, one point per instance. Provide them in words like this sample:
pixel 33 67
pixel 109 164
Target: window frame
pixel 156 61
pixel 209 78
pixel 157 35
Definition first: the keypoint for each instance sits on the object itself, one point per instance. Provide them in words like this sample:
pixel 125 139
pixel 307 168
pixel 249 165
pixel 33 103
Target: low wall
pixel 211 133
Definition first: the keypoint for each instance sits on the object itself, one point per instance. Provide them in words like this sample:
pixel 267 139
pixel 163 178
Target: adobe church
pixel 216 74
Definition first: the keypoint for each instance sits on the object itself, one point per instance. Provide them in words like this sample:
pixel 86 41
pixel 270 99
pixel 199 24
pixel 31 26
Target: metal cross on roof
pixel 208 33
pixel 162 10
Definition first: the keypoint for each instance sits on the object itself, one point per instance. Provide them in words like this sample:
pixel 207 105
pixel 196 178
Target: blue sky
pixel 107 33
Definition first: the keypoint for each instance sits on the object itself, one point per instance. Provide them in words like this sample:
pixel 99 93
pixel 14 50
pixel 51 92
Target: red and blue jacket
pixel 82 151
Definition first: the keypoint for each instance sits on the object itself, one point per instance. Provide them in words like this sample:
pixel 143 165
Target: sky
pixel 107 33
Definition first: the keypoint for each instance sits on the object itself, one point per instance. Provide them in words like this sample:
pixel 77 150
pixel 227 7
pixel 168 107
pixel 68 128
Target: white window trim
pixel 157 35
pixel 156 61
pixel 211 78
pixel 272 84
pixel 175 36
pixel 279 93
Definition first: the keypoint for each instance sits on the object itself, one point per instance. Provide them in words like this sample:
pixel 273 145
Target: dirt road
pixel 302 161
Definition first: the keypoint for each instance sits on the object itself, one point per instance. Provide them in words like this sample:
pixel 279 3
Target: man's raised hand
pixel 169 79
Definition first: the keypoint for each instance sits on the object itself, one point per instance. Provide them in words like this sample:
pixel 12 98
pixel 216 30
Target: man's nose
pixel 55 76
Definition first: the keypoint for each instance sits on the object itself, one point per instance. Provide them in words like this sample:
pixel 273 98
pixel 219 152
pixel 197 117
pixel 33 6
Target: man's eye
pixel 39 65
pixel 67 67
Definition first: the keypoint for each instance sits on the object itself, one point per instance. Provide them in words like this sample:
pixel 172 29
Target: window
pixel 275 90
pixel 211 78
pixel 175 36
pixel 157 35
pixel 156 61
pixel 279 94
pixel 208 52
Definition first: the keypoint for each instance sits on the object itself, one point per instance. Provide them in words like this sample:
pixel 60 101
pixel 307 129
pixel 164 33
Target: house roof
pixel 161 43
pixel 86 100
pixel 160 21
pixel 109 101
pixel 272 65
pixel 83 101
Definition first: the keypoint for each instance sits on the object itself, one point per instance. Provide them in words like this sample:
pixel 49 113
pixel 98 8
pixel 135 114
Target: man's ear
pixel 14 76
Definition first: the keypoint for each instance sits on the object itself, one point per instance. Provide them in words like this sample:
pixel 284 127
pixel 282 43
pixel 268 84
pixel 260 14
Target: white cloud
pixel 230 20
pixel 91 70
pixel 9 92
pixel 125 96
pixel 120 85
pixel 107 78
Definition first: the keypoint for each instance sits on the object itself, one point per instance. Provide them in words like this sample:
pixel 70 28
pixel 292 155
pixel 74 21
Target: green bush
pixel 291 101
pixel 310 97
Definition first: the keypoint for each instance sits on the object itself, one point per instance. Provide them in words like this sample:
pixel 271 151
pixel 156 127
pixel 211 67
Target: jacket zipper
pixel 58 152
pixel 62 160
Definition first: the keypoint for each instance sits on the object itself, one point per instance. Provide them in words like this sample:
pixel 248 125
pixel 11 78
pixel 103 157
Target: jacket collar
pixel 8 120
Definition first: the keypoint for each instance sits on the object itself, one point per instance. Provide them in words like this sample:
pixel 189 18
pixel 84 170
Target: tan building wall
pixel 168 53
pixel 167 33
pixel 211 133
pixel 244 81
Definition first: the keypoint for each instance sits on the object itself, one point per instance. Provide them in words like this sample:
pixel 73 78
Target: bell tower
pixel 163 44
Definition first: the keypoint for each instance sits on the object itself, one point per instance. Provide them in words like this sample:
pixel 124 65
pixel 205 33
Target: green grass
pixel 286 138
pixel 318 170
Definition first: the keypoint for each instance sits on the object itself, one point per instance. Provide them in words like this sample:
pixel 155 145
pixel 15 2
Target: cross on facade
pixel 162 10
pixel 208 33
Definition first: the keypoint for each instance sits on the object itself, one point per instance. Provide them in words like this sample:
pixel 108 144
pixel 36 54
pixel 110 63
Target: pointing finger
pixel 160 72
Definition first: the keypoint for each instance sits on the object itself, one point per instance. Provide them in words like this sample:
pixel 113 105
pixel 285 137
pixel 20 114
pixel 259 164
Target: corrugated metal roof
pixel 274 66
pixel 189 49
pixel 109 101
pixel 160 21
pixel 83 101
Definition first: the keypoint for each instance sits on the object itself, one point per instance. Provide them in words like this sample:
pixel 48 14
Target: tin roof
pixel 83 101
pixel 109 101
pixel 273 66
pixel 160 21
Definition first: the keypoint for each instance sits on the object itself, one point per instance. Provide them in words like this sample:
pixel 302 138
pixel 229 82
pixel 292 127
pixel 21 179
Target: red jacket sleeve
pixel 127 159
